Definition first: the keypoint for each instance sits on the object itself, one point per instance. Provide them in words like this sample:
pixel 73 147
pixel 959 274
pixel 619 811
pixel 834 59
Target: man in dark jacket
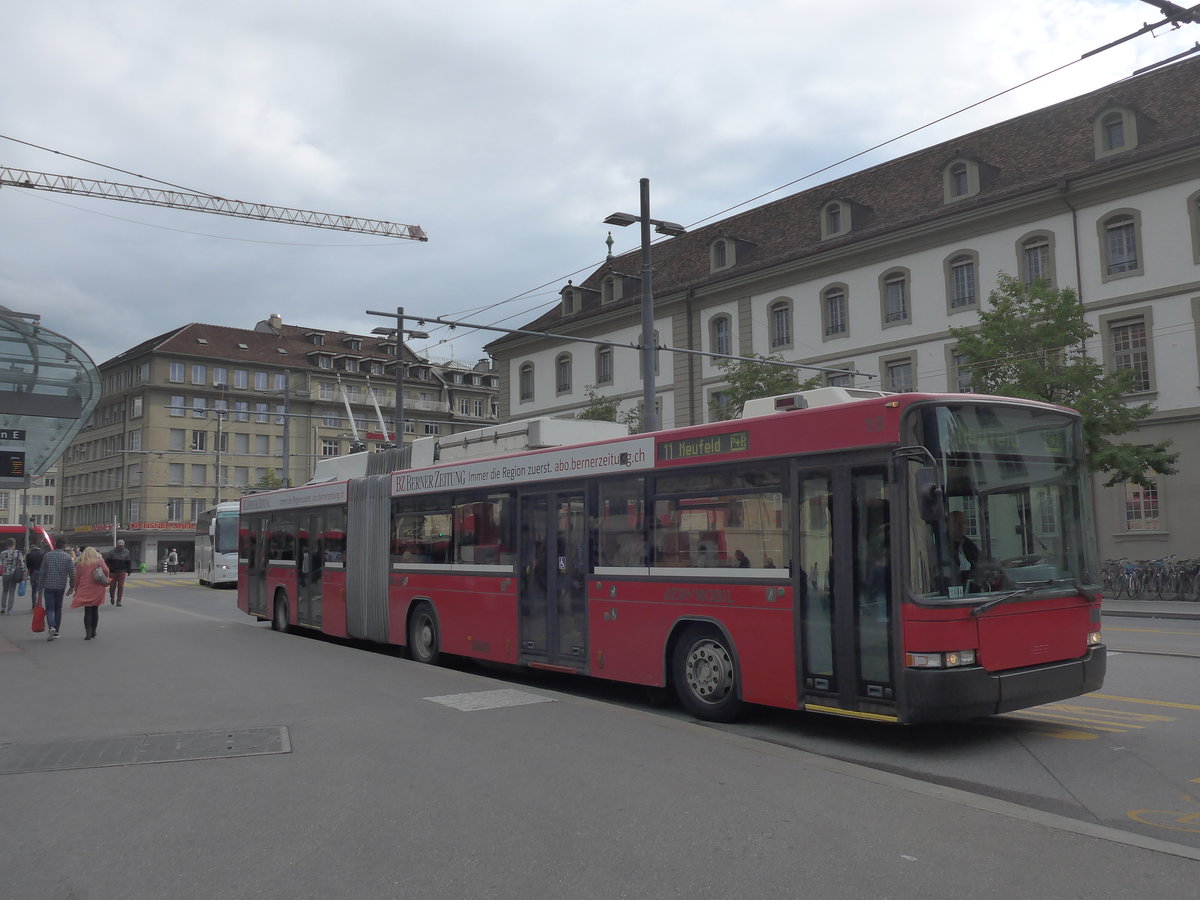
pixel 120 564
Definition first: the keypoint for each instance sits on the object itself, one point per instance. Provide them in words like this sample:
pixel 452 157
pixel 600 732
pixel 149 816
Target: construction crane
pixel 132 193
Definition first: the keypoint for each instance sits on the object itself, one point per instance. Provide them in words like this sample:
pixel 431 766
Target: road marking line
pixel 1076 720
pixel 1168 703
pixel 477 700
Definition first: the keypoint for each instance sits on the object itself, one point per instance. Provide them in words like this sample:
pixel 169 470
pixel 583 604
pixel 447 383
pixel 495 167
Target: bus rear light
pixel 1093 638
pixel 949 660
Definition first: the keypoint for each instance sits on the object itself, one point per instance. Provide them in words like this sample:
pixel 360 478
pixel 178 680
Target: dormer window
pixel 1115 130
pixel 835 219
pixel 316 338
pixel 611 289
pixel 960 179
pixel 571 301
pixel 353 344
pixel 721 254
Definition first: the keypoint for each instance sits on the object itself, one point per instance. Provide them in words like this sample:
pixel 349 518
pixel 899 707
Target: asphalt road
pixel 295 767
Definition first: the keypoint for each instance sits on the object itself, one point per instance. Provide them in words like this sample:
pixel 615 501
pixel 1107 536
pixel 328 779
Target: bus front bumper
pixel 941 695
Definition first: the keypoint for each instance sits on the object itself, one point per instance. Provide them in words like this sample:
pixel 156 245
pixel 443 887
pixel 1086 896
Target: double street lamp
pixel 649 344
pixel 400 333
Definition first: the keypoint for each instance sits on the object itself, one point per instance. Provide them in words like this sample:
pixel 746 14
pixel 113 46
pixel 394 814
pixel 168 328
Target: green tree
pixel 760 376
pixel 599 408
pixel 1031 342
pixel 269 481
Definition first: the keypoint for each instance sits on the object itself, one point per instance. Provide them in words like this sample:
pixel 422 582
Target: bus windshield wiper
pixel 996 601
pixel 1028 587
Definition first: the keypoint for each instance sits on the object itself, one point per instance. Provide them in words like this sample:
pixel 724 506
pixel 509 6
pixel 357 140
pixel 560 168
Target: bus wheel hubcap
pixel 709 671
pixel 425 636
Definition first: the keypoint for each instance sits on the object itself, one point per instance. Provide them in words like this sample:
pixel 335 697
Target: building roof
pixel 1025 154
pixel 277 344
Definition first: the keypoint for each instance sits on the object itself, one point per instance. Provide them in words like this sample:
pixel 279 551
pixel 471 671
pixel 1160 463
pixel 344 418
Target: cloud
pixel 507 130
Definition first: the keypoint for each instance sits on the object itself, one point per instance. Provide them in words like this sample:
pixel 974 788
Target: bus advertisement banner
pixel 573 462
pixel 309 495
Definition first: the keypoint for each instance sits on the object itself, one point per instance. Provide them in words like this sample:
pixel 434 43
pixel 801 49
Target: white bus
pixel 217 544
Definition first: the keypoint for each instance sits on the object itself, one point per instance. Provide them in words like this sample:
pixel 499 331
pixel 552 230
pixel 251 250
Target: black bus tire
pixel 279 615
pixel 424 637
pixel 704 673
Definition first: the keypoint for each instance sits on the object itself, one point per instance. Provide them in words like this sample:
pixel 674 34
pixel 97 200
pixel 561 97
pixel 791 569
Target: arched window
pixel 959 182
pixel 893 297
pixel 604 364
pixel 779 322
pixel 525 382
pixel 834 311
pixel 962 281
pixel 1035 258
pixel 721 335
pixel 1115 130
pixel 960 179
pixel 1120 244
pixel 721 254
pixel 562 373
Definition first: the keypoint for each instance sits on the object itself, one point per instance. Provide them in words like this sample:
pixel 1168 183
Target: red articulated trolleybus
pixel 894 557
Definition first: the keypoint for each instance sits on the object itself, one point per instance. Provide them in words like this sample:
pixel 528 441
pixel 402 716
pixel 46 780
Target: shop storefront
pixel 148 542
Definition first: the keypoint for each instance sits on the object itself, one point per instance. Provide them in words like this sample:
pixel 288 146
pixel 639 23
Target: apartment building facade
pixel 205 413
pixel 869 272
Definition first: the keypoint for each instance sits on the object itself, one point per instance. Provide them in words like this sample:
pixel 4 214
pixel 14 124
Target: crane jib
pixel 150 196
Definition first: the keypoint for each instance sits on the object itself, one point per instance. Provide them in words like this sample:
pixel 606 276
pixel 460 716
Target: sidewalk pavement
pixel 1151 609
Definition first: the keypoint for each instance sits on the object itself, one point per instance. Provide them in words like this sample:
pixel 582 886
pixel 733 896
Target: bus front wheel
pixel 424 640
pixel 705 675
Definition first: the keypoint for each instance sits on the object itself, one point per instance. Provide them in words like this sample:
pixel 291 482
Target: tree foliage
pixel 1032 342
pixel 599 408
pixel 761 376
pixel 606 409
pixel 269 481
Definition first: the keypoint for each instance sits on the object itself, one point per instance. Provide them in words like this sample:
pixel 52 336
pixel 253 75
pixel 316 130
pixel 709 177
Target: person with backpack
pixel 13 563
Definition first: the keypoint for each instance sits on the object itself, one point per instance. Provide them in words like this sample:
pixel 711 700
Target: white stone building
pixel 1100 193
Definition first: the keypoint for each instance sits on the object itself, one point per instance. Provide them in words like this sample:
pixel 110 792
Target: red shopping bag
pixel 39 617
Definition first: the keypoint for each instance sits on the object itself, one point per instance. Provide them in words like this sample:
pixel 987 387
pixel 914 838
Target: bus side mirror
pixel 930 495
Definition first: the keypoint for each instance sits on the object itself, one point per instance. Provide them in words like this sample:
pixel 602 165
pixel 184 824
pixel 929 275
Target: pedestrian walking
pixel 58 573
pixel 120 564
pixel 13 564
pixel 91 581
pixel 33 565
pixel 172 561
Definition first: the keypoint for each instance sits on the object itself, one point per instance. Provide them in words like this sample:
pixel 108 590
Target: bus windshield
pixel 1013 510
pixel 226 538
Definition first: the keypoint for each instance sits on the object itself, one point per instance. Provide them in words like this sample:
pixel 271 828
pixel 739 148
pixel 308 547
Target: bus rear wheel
pixel 705 675
pixel 424 639
pixel 279 616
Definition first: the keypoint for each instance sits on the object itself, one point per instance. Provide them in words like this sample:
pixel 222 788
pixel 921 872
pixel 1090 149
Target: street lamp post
pixel 399 332
pixel 649 345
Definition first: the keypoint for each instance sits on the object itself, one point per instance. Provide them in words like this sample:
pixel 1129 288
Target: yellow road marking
pixel 1168 703
pixel 1079 720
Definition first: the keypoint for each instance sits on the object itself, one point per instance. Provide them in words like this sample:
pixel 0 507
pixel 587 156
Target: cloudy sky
pixel 506 129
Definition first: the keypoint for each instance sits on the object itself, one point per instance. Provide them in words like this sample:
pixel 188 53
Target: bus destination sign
pixel 711 445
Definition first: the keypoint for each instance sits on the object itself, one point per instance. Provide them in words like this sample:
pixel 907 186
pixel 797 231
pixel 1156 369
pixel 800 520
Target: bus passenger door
pixel 310 559
pixel 554 567
pixel 254 551
pixel 844 590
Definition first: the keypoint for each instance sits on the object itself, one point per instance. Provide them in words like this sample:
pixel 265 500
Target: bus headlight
pixel 1093 638
pixel 948 660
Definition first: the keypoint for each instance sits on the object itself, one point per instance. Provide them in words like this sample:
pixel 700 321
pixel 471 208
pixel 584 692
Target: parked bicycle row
pixel 1152 579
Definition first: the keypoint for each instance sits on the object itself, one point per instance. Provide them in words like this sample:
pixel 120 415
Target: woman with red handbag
pixel 91 583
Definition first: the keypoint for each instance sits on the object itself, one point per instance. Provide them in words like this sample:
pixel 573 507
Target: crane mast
pixel 132 193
